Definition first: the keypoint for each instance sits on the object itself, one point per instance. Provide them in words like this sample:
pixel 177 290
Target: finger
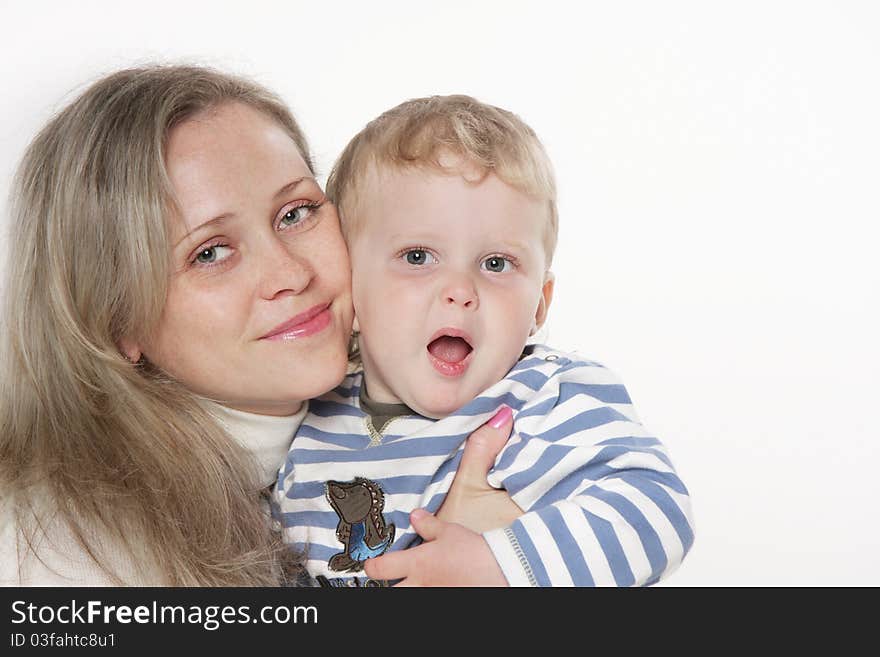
pixel 391 565
pixel 426 524
pixel 484 445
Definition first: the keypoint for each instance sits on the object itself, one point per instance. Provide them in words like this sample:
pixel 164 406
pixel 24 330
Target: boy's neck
pixel 381 412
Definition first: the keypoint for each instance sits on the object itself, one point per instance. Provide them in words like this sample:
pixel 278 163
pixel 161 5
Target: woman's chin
pixel 325 374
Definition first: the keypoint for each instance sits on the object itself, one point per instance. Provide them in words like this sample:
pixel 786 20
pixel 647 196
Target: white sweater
pixel 60 561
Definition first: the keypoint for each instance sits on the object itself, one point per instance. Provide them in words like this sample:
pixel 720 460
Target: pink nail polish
pixel 501 417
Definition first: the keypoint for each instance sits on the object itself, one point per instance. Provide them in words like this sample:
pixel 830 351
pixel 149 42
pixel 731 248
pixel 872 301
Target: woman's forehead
pixel 224 161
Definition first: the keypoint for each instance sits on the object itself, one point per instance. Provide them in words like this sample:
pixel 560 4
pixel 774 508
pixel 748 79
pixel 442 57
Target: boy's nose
pixel 461 291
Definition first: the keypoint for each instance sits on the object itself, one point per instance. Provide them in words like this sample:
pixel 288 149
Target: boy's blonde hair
pixel 420 132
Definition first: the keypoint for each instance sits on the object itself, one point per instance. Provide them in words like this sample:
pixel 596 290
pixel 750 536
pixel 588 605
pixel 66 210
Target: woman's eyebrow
pixel 286 189
pixel 211 222
pixel 293 184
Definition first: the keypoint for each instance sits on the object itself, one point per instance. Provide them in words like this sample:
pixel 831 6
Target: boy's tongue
pixel 449 349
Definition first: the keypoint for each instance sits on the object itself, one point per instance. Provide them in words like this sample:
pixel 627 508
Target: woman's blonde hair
pixel 421 131
pixel 118 450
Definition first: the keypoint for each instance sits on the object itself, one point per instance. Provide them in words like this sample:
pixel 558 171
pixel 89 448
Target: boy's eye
pixel 497 264
pixel 212 254
pixel 419 257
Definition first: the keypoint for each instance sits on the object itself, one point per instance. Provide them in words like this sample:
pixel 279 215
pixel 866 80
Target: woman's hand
pixel 471 501
pixel 451 555
pixel 454 553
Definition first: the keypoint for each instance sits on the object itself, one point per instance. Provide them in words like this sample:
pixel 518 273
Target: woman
pixel 178 288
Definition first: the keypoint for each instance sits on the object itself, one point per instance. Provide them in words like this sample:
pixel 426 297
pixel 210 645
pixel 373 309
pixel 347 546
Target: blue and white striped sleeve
pixel 604 505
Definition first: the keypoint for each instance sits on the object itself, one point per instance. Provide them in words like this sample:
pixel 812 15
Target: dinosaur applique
pixel 361 528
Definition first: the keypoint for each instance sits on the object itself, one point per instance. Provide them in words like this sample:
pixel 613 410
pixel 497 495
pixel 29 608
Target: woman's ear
pixel 130 349
pixel 544 302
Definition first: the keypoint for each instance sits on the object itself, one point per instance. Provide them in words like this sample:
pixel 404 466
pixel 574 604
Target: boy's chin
pixel 435 413
pixel 436 409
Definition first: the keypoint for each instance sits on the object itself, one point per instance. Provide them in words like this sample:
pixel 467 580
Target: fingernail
pixel 501 417
pixel 416 514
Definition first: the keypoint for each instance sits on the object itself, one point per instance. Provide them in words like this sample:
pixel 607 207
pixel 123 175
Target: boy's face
pixel 449 281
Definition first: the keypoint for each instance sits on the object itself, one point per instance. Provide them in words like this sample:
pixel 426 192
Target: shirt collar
pixel 267 437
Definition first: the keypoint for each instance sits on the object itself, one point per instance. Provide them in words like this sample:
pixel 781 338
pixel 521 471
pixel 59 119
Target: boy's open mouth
pixel 450 348
pixel 449 352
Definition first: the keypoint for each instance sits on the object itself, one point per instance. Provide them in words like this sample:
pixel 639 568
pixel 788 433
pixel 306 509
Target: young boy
pixel 448 208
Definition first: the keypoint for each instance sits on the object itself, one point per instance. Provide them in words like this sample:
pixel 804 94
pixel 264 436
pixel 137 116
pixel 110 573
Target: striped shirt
pixel 604 505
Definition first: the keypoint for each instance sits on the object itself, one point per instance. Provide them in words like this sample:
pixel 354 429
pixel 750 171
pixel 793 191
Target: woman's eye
pixel 213 254
pixel 295 215
pixel 497 264
pixel 419 257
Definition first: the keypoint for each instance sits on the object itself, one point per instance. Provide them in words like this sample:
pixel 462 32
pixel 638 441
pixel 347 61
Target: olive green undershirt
pixel 381 413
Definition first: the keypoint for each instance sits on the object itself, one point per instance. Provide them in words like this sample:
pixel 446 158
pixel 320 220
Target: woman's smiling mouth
pixel 308 323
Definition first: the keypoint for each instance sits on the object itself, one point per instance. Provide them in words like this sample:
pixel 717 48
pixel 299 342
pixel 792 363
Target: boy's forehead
pixel 382 178
pixel 424 202
pixel 421 183
pixel 401 195
pixel 419 188
pixel 383 194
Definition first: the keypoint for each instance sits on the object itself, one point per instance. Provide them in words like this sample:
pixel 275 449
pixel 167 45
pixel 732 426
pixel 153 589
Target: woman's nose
pixel 284 270
pixel 459 290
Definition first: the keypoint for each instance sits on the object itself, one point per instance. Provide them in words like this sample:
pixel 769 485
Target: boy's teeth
pixel 449 349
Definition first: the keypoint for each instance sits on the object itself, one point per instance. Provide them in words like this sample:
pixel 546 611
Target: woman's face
pixel 259 311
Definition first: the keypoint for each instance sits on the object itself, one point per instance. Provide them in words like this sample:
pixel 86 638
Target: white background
pixel 719 173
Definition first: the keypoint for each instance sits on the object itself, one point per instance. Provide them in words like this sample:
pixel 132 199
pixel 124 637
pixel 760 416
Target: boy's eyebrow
pixel 515 246
pixel 428 237
pixel 286 189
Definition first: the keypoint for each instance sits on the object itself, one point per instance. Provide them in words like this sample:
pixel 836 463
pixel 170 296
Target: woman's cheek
pixel 330 253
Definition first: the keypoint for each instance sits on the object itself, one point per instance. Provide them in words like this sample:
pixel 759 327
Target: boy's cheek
pixel 386 304
pixel 400 291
